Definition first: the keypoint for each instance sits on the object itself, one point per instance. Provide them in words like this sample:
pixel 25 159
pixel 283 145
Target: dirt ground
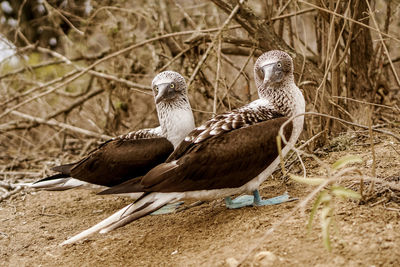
pixel 32 224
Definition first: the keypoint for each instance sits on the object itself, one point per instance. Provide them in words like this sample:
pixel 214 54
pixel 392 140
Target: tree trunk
pixel 361 51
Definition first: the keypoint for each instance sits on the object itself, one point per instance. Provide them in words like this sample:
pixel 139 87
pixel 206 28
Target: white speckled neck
pixel 176 120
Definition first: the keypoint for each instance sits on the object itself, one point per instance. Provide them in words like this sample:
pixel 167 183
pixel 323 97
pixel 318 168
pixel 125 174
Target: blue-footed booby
pixel 233 153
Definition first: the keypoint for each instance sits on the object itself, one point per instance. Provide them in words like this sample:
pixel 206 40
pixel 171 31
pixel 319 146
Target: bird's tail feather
pixel 61 182
pixel 146 205
pixel 143 206
pixel 57 181
pixel 51 181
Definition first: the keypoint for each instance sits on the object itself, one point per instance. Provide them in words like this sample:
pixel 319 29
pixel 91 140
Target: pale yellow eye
pixel 172 85
pixel 156 88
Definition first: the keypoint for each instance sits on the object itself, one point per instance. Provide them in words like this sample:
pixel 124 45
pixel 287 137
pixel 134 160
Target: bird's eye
pixel 279 65
pixel 172 85
pixel 156 88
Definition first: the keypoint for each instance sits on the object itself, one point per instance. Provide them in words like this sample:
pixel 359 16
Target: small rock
pixel 387 245
pixel 231 262
pixel 97 211
pixel 265 258
pixel 339 261
pixel 373 247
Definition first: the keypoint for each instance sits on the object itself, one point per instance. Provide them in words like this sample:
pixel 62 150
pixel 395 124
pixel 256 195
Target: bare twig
pixel 242 69
pixel 29 91
pixel 350 19
pixel 64 110
pixel 96 73
pixel 14 173
pixel 50 9
pixel 175 58
pixel 60 125
pixel 371 136
pixel 211 45
pixel 296 13
pixel 335 118
pixel 217 76
pixel 380 33
pixel 366 102
pixel 9 194
pixel 75 104
pixel 75 74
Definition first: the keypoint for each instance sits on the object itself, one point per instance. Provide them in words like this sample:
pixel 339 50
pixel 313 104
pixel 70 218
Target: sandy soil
pixel 32 224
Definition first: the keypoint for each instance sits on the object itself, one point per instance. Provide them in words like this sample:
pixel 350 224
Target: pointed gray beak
pixel 268 71
pixel 165 92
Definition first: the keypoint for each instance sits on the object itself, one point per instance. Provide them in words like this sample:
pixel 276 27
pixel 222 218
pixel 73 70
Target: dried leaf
pixel 317 203
pixel 341 191
pixel 325 225
pixel 309 181
pixel 343 161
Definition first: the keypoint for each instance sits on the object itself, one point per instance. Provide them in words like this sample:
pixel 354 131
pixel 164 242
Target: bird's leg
pixel 255 200
pixel 169 208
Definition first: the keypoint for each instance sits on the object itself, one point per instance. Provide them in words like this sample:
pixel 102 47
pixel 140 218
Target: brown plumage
pixel 223 161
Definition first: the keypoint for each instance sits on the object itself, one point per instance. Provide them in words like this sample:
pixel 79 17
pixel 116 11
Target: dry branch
pixel 350 19
pixel 65 110
pixel 380 33
pixel 60 125
pixel 211 45
pixel 73 75
pixel 11 193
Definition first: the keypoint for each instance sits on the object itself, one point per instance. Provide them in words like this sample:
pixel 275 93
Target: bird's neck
pixel 285 96
pixel 176 120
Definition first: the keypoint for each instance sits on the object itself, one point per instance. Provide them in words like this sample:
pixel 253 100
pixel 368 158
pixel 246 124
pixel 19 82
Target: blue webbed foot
pixel 169 208
pixel 256 200
pixel 239 202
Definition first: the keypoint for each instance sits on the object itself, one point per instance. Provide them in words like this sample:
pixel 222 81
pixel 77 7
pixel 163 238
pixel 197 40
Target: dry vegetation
pixel 59 100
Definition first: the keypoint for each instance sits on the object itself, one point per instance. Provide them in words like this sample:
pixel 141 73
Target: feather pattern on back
pixel 245 116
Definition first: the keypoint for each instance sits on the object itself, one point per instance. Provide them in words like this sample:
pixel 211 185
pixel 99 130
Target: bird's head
pixel 169 86
pixel 273 68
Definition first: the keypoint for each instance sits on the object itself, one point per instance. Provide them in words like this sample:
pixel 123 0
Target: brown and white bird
pixel 134 154
pixel 232 153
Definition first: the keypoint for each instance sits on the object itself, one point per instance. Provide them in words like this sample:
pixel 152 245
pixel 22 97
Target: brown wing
pixel 117 160
pixel 225 161
pixel 122 159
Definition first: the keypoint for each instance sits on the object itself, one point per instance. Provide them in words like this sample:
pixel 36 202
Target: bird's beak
pixel 268 71
pixel 165 92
